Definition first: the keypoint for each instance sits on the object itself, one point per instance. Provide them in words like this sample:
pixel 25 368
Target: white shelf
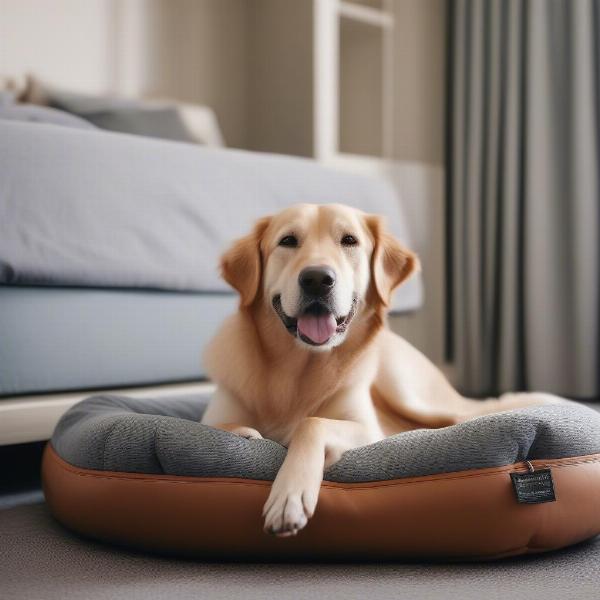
pixel 33 418
pixel 366 14
pixel 353 98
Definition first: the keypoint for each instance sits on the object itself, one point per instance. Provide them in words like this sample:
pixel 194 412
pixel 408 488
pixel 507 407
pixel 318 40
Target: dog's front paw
pixel 288 509
pixel 247 432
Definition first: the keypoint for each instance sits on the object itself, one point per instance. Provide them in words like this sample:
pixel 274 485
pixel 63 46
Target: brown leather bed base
pixel 463 515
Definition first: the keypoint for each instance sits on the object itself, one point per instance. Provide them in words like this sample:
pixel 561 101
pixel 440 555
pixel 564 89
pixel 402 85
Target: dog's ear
pixel 391 263
pixel 241 265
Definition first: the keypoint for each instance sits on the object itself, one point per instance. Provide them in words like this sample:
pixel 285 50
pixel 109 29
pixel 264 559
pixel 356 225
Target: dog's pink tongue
pixel 318 328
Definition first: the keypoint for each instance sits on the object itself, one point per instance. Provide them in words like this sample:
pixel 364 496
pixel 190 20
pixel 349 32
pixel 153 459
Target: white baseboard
pixel 33 418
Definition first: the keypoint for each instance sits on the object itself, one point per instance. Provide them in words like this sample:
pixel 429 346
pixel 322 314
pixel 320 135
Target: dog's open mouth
pixel 315 324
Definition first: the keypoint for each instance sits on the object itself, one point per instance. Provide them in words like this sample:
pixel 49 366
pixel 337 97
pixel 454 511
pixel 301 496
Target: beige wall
pixel 419 82
pixel 68 42
pixel 197 52
pixel 420 57
pixel 193 50
pixel 280 67
pixel 361 79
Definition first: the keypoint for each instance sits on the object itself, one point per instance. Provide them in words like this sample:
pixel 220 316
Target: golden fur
pixel 363 385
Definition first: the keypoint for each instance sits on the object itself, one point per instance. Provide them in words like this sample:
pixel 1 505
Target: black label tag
pixel 535 487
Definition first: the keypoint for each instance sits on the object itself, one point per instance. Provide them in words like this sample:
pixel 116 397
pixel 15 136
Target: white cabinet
pixel 353 69
pixel 321 77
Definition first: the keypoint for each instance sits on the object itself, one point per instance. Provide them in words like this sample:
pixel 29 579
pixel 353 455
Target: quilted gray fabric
pixel 164 436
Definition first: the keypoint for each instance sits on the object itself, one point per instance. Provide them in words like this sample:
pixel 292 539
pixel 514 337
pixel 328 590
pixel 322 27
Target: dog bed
pixel 147 474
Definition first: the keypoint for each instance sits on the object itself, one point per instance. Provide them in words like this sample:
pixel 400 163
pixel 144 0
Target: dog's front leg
pixel 316 443
pixel 226 412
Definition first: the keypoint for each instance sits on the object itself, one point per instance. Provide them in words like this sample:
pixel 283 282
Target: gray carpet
pixel 40 560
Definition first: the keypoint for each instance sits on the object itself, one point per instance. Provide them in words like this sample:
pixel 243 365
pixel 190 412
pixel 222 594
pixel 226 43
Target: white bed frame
pixel 33 418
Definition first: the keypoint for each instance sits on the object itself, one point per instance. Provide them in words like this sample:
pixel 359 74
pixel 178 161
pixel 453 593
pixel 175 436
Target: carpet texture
pixel 41 560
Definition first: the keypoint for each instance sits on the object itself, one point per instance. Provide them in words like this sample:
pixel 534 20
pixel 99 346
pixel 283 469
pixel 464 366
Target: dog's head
pixel 317 267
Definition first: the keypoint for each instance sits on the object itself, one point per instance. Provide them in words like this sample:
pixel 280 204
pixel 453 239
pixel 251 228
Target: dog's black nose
pixel 317 282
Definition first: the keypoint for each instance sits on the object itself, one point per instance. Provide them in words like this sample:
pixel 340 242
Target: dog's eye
pixel 289 241
pixel 349 240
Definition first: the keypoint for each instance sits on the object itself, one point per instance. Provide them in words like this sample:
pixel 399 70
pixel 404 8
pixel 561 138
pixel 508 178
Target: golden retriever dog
pixel 308 361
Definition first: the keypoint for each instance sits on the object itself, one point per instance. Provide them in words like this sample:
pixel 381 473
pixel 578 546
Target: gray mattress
pixel 164 436
pixel 96 208
pixel 55 339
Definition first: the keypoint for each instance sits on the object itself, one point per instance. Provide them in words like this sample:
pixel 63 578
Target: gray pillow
pixel 42 114
pixel 86 104
pixel 164 123
pixel 124 115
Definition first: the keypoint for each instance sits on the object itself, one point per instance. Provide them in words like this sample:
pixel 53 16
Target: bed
pixel 109 251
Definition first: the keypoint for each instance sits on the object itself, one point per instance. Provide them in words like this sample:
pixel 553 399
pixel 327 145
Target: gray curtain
pixel 523 185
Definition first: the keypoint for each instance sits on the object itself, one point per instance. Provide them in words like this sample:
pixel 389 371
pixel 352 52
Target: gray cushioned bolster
pixel 164 436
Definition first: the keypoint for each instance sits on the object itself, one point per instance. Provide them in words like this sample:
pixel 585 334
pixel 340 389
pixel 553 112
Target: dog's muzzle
pixel 315 324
